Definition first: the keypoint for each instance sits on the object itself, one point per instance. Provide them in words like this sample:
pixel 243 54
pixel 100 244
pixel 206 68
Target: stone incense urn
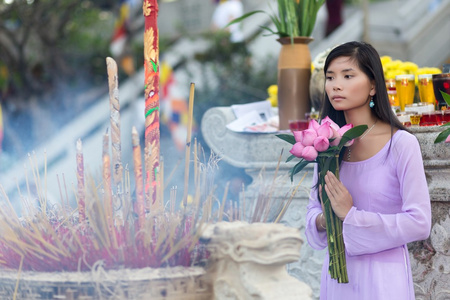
pixel 248 261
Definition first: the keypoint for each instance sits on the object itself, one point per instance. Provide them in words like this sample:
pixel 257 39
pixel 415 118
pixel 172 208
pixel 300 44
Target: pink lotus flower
pixel 325 130
pixel 343 130
pixel 447 140
pixel 318 138
pixel 298 136
pixel 309 135
pixel 313 124
pixel 336 138
pixel 297 149
pixel 309 153
pixel 321 143
pixel 332 123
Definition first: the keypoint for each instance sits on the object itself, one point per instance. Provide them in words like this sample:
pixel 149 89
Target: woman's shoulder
pixel 403 137
pixel 404 141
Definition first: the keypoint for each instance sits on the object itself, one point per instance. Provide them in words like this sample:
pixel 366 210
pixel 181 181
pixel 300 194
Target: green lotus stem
pixel 336 247
pixel 340 239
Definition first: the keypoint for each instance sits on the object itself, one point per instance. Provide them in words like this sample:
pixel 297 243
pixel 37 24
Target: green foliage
pixel 50 42
pixel 295 18
pixel 286 137
pixel 351 134
pixel 446 97
pixel 444 134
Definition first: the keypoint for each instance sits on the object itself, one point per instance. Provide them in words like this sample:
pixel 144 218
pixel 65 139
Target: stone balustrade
pixel 430 259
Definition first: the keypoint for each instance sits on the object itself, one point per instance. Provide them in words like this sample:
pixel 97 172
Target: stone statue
pixel 248 261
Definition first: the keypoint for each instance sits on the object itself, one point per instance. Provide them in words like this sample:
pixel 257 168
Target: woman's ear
pixel 373 90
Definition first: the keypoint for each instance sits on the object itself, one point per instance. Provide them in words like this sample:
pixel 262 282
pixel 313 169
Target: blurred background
pixel 53 80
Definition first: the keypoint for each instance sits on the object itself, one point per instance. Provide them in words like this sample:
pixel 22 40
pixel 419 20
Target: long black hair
pixel 368 61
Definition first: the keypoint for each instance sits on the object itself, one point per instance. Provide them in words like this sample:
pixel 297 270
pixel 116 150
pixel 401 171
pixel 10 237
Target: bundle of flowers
pixel 322 144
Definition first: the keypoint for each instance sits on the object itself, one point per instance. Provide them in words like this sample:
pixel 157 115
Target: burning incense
pixel 107 194
pixel 80 183
pixel 140 204
pixel 115 122
pixel 188 144
pixel 151 66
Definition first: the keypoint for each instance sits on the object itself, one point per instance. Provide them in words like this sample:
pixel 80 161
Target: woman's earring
pixel 371 103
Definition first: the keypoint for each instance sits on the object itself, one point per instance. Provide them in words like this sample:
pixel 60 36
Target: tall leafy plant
pixel 295 17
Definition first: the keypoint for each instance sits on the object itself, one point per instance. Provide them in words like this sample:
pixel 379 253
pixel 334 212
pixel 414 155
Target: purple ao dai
pixel 391 207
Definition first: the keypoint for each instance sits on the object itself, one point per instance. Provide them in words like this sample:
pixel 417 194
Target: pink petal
pixel 345 128
pixel 298 136
pixel 313 124
pixel 337 138
pixel 309 135
pixel 349 143
pixel 447 140
pixel 332 123
pixel 321 143
pixel 336 141
pixel 325 130
pixel 309 153
pixel 297 149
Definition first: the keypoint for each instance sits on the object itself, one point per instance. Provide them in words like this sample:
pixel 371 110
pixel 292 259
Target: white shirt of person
pixel 224 13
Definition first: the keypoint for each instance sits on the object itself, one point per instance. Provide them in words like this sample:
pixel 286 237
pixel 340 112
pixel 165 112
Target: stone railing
pixel 430 259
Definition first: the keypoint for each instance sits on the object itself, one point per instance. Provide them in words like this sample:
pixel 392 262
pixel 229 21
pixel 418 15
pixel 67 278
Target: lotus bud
pixel 336 138
pixel 344 129
pixel 297 149
pixel 325 130
pixel 332 123
pixel 321 143
pixel 313 124
pixel 309 135
pixel 349 143
pixel 309 153
pixel 298 136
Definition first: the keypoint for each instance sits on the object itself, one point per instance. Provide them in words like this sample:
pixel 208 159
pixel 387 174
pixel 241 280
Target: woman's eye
pixel 328 78
pixel 348 76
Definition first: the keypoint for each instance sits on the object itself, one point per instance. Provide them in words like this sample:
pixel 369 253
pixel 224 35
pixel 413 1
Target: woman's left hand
pixel 340 199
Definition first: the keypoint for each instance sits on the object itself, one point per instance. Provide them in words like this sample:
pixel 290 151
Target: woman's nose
pixel 336 88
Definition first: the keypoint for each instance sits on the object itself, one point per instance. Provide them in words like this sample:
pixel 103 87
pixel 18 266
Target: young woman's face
pixel 346 85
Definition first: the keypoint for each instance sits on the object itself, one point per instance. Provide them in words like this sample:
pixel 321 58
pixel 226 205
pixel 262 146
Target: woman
pixel 382 196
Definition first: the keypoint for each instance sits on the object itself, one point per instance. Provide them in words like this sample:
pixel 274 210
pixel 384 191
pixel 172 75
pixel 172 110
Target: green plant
pixel 444 135
pixel 295 17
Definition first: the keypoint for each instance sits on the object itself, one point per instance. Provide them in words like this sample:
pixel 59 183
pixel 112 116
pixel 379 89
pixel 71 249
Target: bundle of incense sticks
pixel 56 240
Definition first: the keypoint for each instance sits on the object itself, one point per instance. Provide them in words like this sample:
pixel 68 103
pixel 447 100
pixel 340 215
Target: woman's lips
pixel 337 98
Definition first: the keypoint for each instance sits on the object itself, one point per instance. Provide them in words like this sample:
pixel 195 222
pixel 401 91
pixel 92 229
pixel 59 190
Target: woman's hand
pixel 340 199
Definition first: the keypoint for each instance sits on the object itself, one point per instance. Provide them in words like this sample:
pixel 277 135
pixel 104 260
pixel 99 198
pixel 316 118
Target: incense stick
pixel 188 143
pixel 80 182
pixel 18 278
pixel 140 204
pixel 113 84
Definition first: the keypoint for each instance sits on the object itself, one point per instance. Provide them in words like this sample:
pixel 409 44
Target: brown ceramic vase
pixel 294 73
